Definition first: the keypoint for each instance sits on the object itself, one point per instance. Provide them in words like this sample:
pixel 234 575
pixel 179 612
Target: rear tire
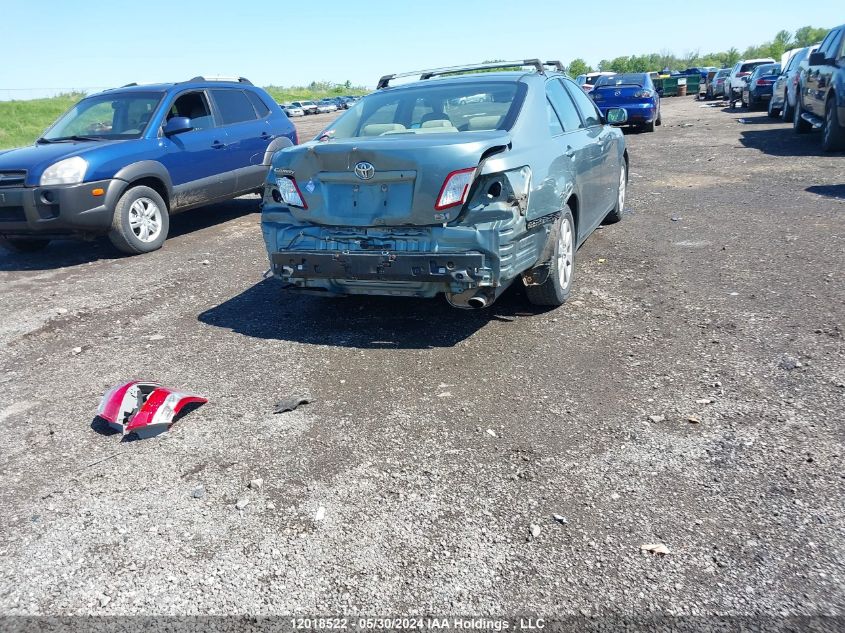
pixel 833 134
pixel 615 214
pixel 798 124
pixel 141 221
pixel 788 111
pixel 558 285
pixel 23 245
pixel 773 111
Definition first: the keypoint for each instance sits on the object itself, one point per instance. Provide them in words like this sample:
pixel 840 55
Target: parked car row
pixel 323 106
pixel 806 89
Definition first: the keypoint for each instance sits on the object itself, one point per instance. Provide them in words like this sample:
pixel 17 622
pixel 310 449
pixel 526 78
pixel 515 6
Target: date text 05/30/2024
pixel 410 623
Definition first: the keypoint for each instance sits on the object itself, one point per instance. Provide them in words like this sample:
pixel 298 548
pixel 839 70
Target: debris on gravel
pixel 655 548
pixel 291 403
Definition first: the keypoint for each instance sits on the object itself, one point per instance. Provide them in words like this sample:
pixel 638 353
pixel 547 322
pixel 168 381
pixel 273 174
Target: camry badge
pixel 365 170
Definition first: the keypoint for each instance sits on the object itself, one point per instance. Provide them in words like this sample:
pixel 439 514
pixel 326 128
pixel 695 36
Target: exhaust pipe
pixel 477 302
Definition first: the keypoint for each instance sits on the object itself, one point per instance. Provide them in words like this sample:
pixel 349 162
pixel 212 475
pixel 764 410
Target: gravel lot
pixel 690 394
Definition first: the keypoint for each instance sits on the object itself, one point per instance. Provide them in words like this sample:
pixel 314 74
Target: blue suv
pixel 118 163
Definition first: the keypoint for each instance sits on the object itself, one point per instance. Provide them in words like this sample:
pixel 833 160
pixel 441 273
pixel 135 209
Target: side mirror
pixel 177 125
pixel 817 59
pixel 616 116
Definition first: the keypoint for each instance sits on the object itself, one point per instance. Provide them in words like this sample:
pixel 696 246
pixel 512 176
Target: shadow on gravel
pixel 267 311
pixel 66 253
pixel 781 141
pixel 831 191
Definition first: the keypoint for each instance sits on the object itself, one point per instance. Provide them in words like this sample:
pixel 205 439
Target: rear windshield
pixel 724 72
pixel 431 109
pixel 747 68
pixel 633 79
pixel 768 69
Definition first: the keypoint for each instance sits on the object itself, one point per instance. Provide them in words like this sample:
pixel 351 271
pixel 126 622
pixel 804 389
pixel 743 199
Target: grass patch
pixel 21 122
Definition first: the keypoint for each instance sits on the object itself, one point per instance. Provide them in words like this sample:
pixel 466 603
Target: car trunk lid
pixel 397 180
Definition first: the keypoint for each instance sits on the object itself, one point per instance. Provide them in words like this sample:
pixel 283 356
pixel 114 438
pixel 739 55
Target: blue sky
pixel 49 45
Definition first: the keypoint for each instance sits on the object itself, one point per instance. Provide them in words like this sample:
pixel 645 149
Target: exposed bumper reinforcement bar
pixel 384 265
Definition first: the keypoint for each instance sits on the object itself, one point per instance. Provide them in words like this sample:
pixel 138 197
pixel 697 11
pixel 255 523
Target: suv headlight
pixel 70 171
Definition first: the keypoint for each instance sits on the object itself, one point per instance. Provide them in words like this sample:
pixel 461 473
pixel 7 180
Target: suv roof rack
pixel 384 82
pixel 237 80
pixel 556 64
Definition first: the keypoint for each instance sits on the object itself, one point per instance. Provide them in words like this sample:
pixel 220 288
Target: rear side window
pixel 234 106
pixel 834 51
pixel 585 105
pixel 258 103
pixel 563 105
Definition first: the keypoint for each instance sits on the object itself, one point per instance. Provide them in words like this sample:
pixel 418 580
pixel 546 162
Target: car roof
pixel 166 87
pixel 503 76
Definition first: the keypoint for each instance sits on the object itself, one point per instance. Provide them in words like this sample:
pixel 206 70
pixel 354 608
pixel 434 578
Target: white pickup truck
pixel 737 80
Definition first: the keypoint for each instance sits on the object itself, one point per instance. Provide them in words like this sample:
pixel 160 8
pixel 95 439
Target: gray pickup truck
pixel 821 92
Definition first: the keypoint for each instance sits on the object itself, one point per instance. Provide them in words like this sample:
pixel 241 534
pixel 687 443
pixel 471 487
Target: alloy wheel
pixel 145 219
pixel 566 254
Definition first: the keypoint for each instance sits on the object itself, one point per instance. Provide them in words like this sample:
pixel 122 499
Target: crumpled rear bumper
pixel 463 268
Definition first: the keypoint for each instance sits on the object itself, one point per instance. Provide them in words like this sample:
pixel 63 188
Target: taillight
pixel 642 94
pixel 289 192
pixel 455 188
pixel 764 82
pixel 742 74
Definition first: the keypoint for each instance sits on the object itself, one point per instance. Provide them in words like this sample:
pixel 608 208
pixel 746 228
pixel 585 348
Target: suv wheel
pixel 834 134
pixel 558 285
pixel 23 245
pixel 798 124
pixel 140 222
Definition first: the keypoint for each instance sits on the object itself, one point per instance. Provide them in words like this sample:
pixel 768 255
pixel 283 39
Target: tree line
pixel 777 46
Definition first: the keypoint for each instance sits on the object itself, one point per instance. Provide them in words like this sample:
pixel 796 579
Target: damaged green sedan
pixel 459 183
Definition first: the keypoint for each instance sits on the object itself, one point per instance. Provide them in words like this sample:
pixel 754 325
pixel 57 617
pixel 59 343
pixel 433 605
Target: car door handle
pixel 267 137
pixel 218 145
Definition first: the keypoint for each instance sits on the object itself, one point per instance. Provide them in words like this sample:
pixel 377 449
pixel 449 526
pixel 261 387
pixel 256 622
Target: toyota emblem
pixel 365 170
pixel 617 93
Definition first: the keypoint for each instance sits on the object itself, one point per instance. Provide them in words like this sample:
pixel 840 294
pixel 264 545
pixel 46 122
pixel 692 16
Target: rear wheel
pixel 140 222
pixel 558 285
pixel 23 245
pixel 659 120
pixel 799 124
pixel 833 139
pixel 615 214
pixel 773 111
pixel 788 111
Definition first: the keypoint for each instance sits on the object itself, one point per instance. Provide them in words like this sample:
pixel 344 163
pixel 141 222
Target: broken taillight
pixel 290 193
pixel 455 188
